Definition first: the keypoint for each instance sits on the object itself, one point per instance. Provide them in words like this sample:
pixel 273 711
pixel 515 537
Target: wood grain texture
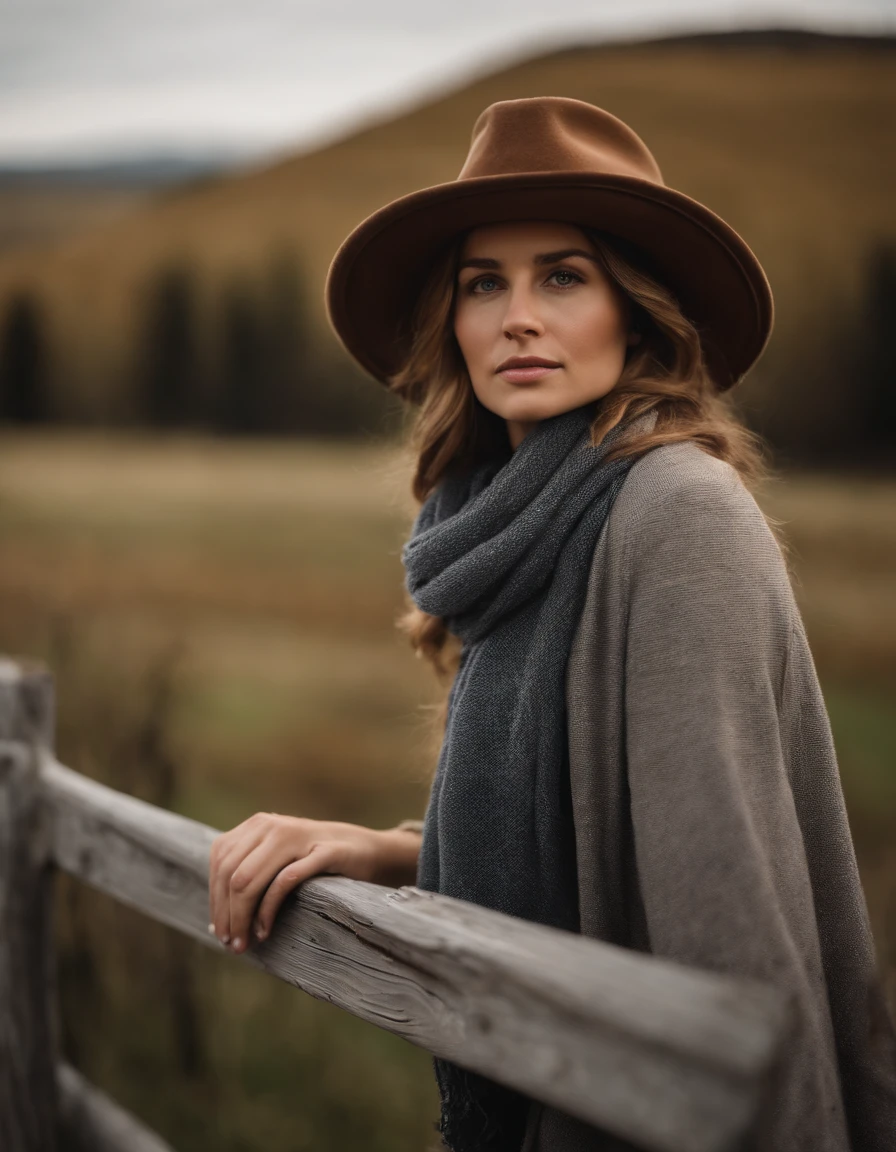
pixel 28 1027
pixel 670 1058
pixel 27 711
pixel 90 1121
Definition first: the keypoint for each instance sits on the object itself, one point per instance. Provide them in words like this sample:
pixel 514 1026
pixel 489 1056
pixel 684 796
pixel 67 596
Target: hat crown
pixel 555 134
pixel 551 158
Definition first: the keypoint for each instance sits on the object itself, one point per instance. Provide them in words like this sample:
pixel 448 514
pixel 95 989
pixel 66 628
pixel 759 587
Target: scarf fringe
pixel 478 1114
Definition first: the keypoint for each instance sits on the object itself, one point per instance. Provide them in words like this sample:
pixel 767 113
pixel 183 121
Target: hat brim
pixel 378 272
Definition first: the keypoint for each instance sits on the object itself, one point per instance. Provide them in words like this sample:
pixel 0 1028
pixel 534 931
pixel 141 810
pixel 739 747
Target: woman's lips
pixel 526 375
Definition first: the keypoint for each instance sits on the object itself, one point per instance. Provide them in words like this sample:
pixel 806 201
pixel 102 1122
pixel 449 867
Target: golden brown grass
pixel 257 584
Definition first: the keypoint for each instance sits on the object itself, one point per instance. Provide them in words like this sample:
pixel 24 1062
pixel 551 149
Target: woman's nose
pixel 521 317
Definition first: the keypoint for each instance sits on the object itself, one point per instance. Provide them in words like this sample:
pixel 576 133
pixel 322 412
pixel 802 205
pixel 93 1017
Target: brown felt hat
pixel 552 158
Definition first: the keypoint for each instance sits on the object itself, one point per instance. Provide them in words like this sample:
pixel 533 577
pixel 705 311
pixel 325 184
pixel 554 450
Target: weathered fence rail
pixel 673 1059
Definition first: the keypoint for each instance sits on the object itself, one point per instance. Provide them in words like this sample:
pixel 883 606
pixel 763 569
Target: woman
pixel 636 746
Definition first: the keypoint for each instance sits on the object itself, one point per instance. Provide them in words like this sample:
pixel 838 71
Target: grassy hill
pixel 788 136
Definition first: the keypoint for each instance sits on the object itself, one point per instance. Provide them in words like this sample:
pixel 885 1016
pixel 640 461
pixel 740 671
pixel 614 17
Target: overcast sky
pixel 90 79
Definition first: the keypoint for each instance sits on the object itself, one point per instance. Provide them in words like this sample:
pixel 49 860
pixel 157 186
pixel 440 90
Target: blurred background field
pixel 203 502
pixel 220 619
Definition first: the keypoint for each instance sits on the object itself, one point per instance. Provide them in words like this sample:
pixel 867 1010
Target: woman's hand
pixel 269 855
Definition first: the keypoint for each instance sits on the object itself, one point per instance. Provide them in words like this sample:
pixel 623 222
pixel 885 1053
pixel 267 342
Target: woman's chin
pixel 539 400
pixel 532 407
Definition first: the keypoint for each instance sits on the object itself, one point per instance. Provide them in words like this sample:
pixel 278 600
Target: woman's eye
pixel 570 277
pixel 486 285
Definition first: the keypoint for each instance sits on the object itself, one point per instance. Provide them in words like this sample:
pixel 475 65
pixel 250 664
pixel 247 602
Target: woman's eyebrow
pixel 564 254
pixel 541 258
pixel 481 262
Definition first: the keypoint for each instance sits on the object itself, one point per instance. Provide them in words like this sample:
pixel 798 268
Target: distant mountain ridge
pixel 150 171
pixel 159 167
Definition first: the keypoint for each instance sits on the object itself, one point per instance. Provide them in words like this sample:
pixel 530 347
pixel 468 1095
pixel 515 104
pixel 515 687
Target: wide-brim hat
pixel 552 158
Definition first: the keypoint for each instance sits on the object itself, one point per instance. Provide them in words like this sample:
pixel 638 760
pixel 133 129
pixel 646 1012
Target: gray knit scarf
pixel 503 554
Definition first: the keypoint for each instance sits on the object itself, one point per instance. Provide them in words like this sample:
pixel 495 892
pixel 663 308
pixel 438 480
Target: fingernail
pixel 225 939
pixel 259 932
pixel 237 944
pixel 211 929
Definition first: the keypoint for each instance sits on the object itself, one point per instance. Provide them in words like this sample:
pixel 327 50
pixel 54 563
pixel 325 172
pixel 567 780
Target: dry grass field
pixel 220 619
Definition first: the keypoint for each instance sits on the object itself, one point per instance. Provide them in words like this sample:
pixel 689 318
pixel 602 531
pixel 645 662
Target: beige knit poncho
pixel 710 824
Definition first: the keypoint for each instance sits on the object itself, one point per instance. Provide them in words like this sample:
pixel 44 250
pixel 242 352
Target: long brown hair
pixel 448 427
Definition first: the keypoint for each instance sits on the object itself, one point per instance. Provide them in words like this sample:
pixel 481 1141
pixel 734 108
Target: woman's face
pixel 534 291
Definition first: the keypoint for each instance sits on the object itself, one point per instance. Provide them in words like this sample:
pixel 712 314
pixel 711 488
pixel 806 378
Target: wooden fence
pixel 672 1059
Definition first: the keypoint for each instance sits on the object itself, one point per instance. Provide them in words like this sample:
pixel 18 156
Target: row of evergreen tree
pixel 252 364
pixel 252 367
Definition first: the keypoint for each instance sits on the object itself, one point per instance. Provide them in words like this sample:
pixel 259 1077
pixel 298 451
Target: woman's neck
pixel 518 430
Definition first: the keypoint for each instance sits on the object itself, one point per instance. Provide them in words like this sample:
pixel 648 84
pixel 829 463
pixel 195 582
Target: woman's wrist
pixel 397 855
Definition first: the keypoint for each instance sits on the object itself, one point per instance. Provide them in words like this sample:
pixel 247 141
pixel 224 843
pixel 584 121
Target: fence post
pixel 28 1026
